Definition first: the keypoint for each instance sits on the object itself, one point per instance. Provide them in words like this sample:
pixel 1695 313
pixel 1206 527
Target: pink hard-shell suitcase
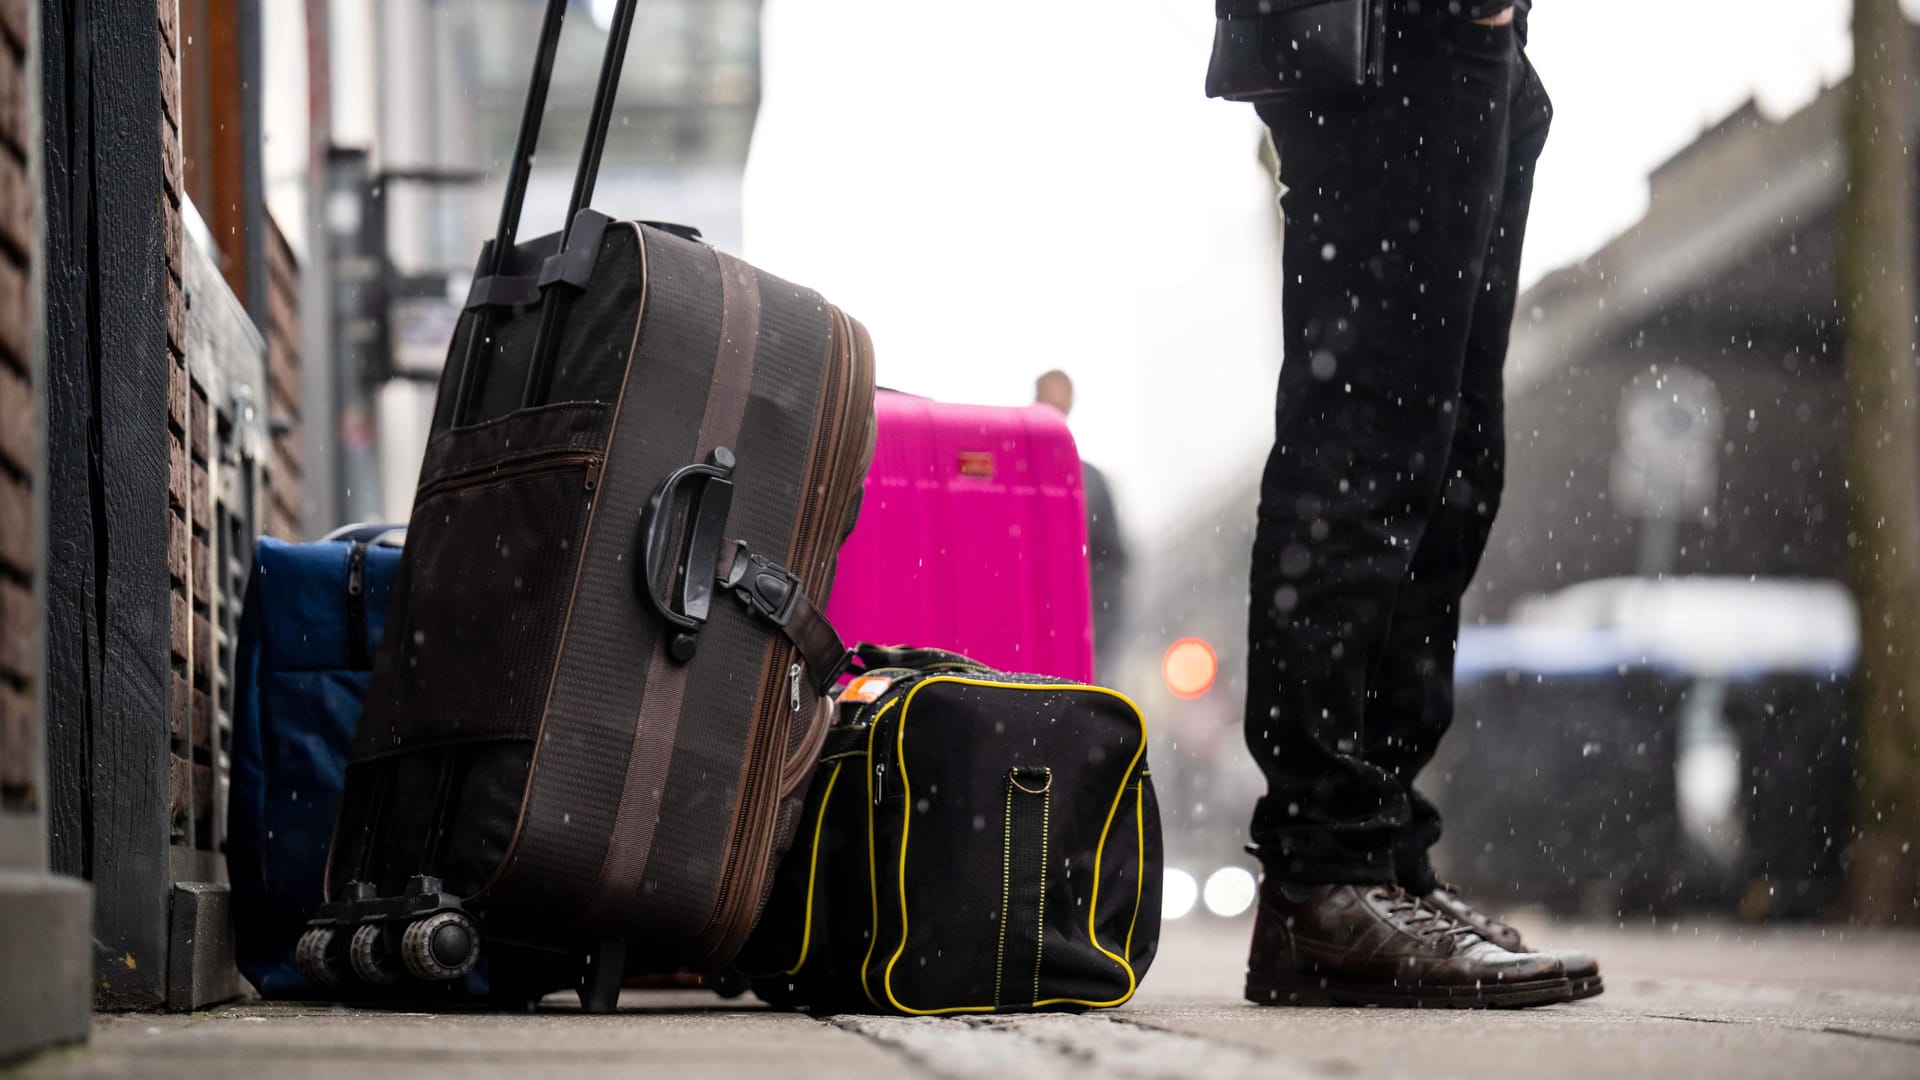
pixel 972 537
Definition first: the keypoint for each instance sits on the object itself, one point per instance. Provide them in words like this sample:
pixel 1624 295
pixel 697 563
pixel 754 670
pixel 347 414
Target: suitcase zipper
pixel 832 412
pixel 488 474
pixel 750 811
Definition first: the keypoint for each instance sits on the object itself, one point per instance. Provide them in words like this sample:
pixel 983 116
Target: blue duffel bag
pixel 313 621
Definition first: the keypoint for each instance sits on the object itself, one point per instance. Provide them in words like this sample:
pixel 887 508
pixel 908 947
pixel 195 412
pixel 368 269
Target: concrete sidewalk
pixel 1683 1000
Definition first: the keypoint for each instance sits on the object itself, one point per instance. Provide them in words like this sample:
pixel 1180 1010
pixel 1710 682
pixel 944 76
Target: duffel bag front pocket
pixel 1002 802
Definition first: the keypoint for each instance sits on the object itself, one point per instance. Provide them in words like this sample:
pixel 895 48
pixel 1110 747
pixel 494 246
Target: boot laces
pixel 1453 894
pixel 1420 918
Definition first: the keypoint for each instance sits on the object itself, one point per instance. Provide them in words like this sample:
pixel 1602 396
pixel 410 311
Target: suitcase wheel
pixel 319 959
pixel 372 960
pixel 441 946
pixel 729 983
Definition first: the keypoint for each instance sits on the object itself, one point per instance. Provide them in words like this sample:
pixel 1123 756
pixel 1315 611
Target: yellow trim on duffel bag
pixel 813 869
pixel 906 821
pixel 873 881
pixel 1140 849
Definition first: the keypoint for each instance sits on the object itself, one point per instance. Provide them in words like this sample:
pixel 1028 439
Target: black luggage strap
pixel 573 266
pixel 357 651
pixel 502 290
pixel 1023 886
pixel 775 594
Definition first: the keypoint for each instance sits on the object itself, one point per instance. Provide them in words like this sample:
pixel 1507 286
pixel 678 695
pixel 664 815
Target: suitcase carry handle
pixel 699 556
pixel 519 170
pixel 567 266
pixel 694 551
pixel 554 302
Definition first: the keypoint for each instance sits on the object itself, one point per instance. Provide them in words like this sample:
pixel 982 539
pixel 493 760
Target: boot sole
pixel 1587 987
pixel 1310 991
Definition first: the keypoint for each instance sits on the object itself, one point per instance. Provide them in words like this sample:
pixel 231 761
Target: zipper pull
pixel 593 474
pixel 793 687
pixel 879 782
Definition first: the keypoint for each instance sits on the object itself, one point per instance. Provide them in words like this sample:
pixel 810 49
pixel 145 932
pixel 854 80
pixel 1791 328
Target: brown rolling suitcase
pixel 602 689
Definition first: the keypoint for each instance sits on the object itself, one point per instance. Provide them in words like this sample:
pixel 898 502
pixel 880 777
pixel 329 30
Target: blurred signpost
pixel 1666 467
pixel 1877 290
pixel 388 324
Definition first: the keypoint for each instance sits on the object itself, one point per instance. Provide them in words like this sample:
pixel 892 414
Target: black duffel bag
pixel 973 842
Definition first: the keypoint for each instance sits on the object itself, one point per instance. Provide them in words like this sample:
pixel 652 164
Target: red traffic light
pixel 1189 667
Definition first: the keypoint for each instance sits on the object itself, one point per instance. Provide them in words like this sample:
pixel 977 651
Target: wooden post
pixel 109 680
pixel 1877 286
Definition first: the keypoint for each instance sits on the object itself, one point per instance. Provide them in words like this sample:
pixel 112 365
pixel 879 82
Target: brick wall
pixel 19 420
pixel 189 498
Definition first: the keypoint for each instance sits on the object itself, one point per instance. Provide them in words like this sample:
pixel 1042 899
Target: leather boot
pixel 1583 971
pixel 1380 945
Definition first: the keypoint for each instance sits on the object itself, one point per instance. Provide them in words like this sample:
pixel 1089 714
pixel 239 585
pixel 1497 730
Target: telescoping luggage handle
pixel 572 264
pixel 703 559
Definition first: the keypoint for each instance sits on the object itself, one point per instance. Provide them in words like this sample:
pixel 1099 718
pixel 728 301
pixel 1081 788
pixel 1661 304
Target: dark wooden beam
pixel 108 676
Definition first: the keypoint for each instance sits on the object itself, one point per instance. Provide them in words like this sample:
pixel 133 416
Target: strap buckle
pixel 776 594
pixel 769 590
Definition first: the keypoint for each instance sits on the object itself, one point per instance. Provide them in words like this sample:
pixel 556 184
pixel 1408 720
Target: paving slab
pixel 1698 1001
pixel 1064 1047
pixel 683 1035
pixel 1706 1001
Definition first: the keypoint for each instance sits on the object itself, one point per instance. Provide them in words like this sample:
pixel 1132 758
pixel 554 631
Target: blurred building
pixel 1674 410
pixel 427 98
pixel 1675 400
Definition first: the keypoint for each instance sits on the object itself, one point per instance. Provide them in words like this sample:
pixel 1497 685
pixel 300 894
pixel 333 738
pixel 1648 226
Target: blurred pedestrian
pixel 1106 545
pixel 1405 206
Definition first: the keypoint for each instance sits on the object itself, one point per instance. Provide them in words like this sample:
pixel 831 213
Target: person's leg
pixel 1412 699
pixel 1412 703
pixel 1390 204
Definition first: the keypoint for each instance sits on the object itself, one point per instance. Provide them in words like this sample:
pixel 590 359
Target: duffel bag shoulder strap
pixel 873 657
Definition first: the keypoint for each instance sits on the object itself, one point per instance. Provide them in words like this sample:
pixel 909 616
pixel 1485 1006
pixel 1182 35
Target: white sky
pixel 1004 186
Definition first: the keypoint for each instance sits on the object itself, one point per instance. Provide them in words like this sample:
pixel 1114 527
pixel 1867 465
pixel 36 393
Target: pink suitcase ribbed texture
pixel 972 537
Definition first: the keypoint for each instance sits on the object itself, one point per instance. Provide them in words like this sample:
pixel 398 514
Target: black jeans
pixel 1405 210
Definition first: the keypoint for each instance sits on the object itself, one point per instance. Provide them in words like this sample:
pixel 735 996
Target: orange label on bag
pixel 976 463
pixel 866 689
